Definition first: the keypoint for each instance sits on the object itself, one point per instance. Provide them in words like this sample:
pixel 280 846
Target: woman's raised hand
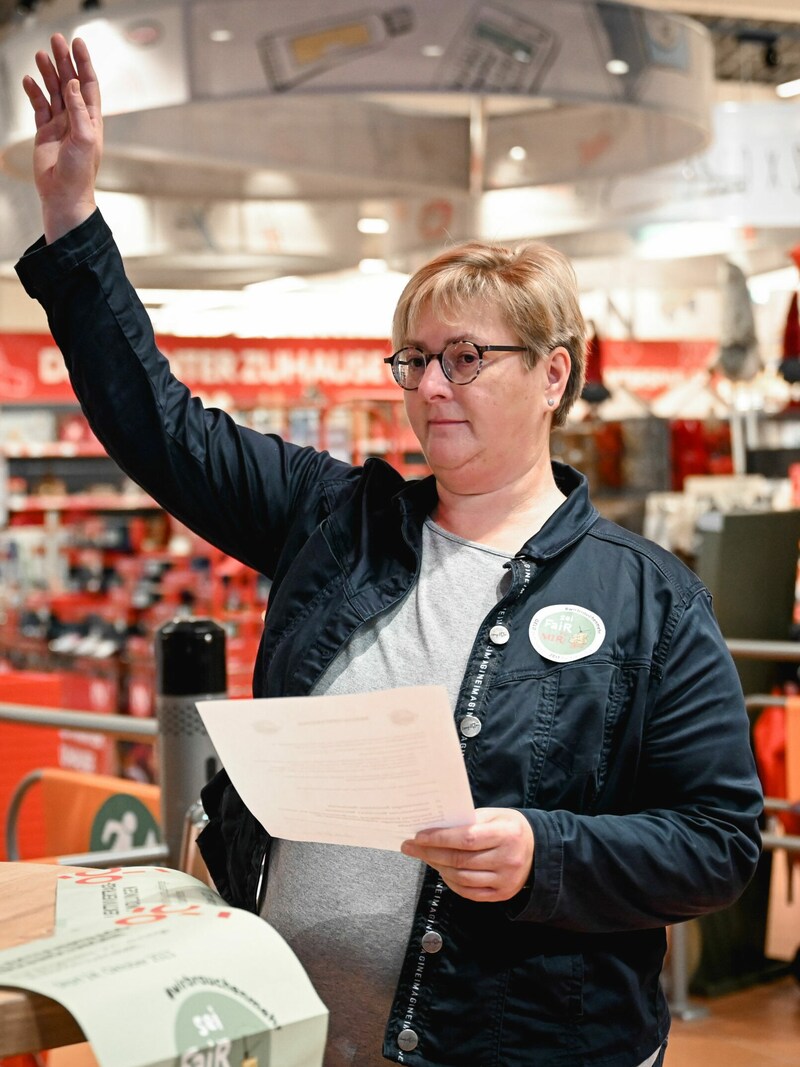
pixel 69 134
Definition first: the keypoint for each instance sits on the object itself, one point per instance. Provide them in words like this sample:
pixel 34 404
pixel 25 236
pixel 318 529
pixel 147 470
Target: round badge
pixel 563 632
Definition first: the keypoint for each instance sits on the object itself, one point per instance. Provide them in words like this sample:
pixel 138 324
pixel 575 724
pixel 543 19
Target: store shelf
pixel 82 502
pixel 53 450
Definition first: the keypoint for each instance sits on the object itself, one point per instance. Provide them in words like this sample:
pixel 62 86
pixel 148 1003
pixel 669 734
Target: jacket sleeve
pixel 690 842
pixel 236 488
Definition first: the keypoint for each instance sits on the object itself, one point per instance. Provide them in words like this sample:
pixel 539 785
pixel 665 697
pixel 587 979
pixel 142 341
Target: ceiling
pixel 755 44
pixel 741 29
pixel 754 50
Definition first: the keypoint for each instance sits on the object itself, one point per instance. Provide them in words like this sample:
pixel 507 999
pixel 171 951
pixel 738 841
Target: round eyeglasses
pixel 461 361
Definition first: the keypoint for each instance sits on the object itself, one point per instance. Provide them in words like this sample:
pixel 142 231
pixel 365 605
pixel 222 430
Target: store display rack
pixel 90 568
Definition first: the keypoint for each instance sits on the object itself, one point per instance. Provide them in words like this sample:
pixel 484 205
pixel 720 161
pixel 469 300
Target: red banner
pixel 647 368
pixel 229 371
pixel 272 372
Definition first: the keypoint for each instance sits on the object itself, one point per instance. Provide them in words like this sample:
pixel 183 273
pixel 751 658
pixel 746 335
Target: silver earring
pixel 550 401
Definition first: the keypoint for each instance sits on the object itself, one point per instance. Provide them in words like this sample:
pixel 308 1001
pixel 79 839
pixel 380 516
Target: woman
pixel 601 718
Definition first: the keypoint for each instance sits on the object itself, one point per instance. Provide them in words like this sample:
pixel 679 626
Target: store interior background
pixel 222 243
pixel 687 273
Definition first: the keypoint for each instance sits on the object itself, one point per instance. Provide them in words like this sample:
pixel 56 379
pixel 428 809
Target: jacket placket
pixel 429 930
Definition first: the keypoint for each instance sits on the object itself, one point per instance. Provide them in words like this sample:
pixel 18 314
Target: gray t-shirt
pixel 345 911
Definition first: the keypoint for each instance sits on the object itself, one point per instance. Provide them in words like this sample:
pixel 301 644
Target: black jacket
pixel 632 762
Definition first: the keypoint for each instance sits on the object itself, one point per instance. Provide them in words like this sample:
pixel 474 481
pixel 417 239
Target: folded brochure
pixel 159 972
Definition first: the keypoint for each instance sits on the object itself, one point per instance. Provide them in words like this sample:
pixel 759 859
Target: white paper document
pixel 363 769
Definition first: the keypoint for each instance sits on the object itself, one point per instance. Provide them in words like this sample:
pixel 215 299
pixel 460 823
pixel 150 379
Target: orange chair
pixel 99 813
pixel 85 813
pixel 92 813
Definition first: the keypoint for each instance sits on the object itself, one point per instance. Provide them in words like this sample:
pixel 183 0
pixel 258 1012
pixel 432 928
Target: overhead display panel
pixel 243 100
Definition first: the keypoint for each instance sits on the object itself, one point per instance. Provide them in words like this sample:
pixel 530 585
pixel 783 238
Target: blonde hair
pixel 532 285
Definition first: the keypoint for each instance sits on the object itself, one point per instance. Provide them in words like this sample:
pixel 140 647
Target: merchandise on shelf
pixel 90 567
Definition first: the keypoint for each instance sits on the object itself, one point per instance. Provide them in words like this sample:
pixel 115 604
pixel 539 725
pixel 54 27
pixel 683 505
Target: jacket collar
pixel 568 524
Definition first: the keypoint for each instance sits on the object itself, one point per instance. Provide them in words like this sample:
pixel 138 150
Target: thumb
pixel 80 121
pixel 83 142
pixel 74 97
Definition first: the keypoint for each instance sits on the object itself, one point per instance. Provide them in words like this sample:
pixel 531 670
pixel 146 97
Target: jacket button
pixel 432 941
pixel 407 1040
pixel 470 726
pixel 499 635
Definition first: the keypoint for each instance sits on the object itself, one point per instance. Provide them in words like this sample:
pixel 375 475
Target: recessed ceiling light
pixel 373 266
pixel 285 283
pixel 220 36
pixel 617 66
pixel 787 89
pixel 432 51
pixel 373 225
pixel 518 153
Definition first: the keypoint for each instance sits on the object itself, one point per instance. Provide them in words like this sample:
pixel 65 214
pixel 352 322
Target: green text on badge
pixel 563 632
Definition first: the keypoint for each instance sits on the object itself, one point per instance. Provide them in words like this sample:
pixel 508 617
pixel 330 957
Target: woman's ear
pixel 558 365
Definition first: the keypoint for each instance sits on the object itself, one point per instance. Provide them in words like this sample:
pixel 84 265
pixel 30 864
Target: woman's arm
pixel 236 488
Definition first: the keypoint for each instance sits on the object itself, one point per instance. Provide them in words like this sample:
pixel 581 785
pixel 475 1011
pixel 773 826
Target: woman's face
pixel 483 436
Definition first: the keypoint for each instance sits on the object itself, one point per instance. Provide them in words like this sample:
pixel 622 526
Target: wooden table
pixel 30 1022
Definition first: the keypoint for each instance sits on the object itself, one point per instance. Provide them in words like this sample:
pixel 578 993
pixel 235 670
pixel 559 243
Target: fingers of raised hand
pixel 62 58
pixel 41 105
pixel 55 103
pixel 57 71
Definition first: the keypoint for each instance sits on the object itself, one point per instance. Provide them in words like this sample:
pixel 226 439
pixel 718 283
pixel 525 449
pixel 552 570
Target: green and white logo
pixel 123 822
pixel 215 1030
pixel 563 632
